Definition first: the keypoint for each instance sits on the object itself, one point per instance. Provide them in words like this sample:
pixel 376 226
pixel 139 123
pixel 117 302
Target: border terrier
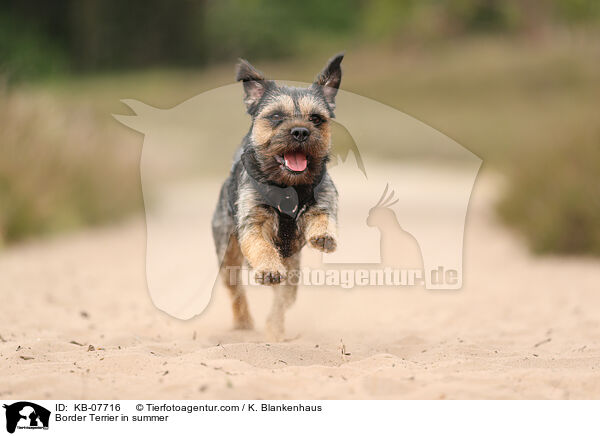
pixel 278 195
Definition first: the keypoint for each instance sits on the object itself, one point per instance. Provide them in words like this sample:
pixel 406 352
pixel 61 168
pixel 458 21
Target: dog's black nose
pixel 300 133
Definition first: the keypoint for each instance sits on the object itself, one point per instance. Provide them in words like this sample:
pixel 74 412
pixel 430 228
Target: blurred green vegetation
pixel 554 198
pixel 517 82
pixel 39 37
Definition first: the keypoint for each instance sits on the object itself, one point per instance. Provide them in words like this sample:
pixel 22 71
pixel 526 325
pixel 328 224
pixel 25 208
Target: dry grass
pixel 554 198
pixel 61 167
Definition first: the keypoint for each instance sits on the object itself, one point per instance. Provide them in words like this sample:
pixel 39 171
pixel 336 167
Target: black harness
pixel 290 202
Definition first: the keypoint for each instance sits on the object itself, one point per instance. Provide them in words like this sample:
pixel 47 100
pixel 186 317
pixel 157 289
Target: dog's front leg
pixel 320 231
pixel 256 242
pixel 284 296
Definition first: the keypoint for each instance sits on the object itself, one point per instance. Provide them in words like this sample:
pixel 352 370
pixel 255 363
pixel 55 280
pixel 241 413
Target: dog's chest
pixel 289 235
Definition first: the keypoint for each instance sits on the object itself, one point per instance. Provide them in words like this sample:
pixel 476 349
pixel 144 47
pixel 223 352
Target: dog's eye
pixel 276 117
pixel 315 119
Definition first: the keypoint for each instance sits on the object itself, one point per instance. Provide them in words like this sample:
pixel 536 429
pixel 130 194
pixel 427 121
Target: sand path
pixel 521 327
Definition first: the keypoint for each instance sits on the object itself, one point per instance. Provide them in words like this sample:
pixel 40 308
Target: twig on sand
pixel 545 341
pixel 343 350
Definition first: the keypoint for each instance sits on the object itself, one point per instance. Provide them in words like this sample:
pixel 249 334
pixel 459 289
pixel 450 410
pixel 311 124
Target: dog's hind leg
pixel 231 278
pixel 283 298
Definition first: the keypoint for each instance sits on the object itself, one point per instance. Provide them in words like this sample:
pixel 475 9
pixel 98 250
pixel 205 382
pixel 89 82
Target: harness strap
pixel 289 200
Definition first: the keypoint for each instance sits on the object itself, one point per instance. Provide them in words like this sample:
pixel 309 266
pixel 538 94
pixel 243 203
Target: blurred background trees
pixel 40 37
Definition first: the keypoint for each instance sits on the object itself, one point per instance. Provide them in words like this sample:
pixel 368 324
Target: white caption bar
pixel 300 417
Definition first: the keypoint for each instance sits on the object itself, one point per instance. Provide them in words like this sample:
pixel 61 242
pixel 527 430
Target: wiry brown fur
pixel 271 141
pixel 249 223
pixel 241 314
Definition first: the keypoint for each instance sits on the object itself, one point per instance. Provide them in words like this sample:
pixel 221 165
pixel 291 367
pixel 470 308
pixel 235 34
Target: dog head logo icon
pixel 26 415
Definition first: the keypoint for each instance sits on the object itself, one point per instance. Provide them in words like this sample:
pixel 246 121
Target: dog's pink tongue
pixel 295 160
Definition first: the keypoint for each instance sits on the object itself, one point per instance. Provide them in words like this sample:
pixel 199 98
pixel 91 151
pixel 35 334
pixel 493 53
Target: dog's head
pixel 291 127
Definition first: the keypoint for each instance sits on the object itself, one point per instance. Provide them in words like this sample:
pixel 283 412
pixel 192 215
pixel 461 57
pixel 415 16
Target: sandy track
pixel 520 328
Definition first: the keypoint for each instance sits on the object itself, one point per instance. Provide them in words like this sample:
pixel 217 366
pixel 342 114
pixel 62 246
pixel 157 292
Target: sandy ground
pixel 77 323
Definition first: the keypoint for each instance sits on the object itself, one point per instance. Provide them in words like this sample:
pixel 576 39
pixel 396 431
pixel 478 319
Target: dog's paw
pixel 325 243
pixel 270 274
pixel 274 333
pixel 243 323
pixel 275 329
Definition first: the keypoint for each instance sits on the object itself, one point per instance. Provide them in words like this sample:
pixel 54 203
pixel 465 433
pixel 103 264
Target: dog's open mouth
pixel 294 161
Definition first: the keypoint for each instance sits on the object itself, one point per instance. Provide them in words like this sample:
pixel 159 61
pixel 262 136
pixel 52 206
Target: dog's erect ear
pixel 254 81
pixel 330 78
